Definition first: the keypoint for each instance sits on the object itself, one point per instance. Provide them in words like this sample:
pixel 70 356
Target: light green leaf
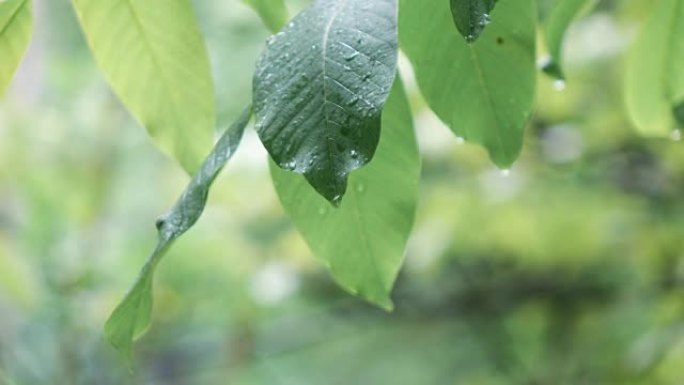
pixel 15 33
pixel 483 91
pixel 319 89
pixel 272 12
pixel 563 13
pixel 153 55
pixel 654 77
pixel 471 16
pixel 132 316
pixel 363 240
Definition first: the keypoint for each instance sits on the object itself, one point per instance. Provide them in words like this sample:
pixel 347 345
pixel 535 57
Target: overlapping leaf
pixel 483 91
pixel 272 12
pixel 153 55
pixel 363 241
pixel 320 86
pixel 15 33
pixel 654 81
pixel 471 16
pixel 132 316
pixel 563 13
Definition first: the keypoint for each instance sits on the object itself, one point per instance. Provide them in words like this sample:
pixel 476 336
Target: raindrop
pixel 291 24
pixel 354 99
pixel 559 85
pixel 354 154
pixel 505 172
pixel 351 55
pixel 676 135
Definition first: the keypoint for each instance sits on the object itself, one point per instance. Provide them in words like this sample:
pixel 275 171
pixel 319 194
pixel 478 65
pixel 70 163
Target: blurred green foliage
pixel 568 270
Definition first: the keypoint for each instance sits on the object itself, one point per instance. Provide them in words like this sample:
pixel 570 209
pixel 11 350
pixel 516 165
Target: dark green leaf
pixel 153 55
pixel 654 81
pixel 272 12
pixel 678 112
pixel 320 86
pixel 363 241
pixel 15 33
pixel 483 91
pixel 564 12
pixel 471 16
pixel 132 316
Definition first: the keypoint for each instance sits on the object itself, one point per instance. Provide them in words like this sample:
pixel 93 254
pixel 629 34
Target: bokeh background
pixel 568 269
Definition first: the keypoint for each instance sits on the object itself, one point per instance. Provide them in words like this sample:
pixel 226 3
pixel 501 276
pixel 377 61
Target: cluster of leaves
pixel 332 113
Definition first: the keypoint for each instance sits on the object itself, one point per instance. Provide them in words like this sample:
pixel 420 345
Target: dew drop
pixel 505 172
pixel 351 55
pixel 559 85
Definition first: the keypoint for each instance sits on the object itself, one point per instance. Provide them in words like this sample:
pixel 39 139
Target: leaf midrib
pixel 13 16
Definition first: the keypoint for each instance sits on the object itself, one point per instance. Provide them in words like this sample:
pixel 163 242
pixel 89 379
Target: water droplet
pixel 291 24
pixel 505 172
pixel 676 135
pixel 559 85
pixel 354 154
pixel 351 55
pixel 354 99
pixel 313 47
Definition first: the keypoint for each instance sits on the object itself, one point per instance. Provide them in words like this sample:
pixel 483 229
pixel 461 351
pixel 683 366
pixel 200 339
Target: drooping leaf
pixel 483 91
pixel 132 316
pixel 272 12
pixel 471 16
pixel 363 240
pixel 319 88
pixel 153 55
pixel 15 33
pixel 654 77
pixel 563 13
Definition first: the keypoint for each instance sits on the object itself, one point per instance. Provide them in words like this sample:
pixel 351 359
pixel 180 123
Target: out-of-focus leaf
pixel 363 240
pixel 564 12
pixel 15 33
pixel 654 80
pixel 471 16
pixel 320 86
pixel 153 55
pixel 132 316
pixel 483 91
pixel 272 12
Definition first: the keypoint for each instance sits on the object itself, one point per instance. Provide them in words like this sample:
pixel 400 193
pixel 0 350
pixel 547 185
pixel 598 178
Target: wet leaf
pixel 471 16
pixel 363 241
pixel 153 56
pixel 483 91
pixel 654 77
pixel 15 33
pixel 132 316
pixel 320 86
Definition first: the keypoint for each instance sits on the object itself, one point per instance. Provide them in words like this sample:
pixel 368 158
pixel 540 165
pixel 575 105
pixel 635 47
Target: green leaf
pixel 363 240
pixel 153 55
pixel 319 89
pixel 15 33
pixel 471 16
pixel 132 316
pixel 654 77
pixel 272 12
pixel 563 13
pixel 483 91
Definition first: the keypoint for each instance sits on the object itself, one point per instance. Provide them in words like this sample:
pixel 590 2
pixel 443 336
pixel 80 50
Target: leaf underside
pixel 363 241
pixel 320 86
pixel 132 316
pixel 484 91
pixel 153 56
pixel 654 77
pixel 15 33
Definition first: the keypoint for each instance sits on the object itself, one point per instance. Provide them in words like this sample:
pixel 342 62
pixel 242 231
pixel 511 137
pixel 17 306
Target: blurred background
pixel 568 269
